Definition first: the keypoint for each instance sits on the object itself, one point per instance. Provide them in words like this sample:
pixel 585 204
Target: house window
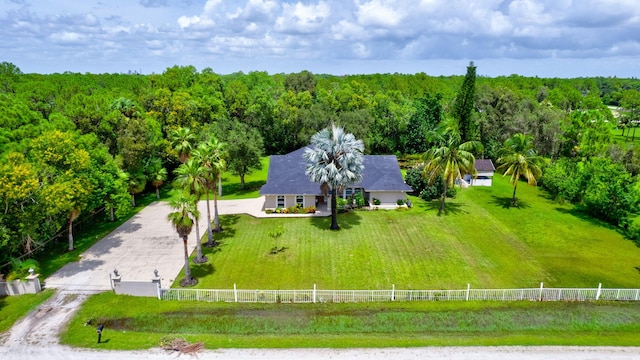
pixel 280 203
pixel 299 200
pixel 348 192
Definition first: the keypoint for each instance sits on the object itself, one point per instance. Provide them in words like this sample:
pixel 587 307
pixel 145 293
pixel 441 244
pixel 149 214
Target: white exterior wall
pixel 271 201
pixel 481 182
pixel 387 198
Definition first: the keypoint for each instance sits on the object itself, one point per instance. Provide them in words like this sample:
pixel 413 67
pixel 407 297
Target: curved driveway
pixel 144 243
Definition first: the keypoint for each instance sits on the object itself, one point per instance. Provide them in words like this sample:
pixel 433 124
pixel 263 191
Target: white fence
pixel 344 296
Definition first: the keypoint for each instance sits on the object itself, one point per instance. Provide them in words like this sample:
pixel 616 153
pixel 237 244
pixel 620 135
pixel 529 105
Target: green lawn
pixel 138 323
pixel 231 186
pixel 13 308
pixel 480 241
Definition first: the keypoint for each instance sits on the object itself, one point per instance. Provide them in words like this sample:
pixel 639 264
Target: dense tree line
pixel 73 145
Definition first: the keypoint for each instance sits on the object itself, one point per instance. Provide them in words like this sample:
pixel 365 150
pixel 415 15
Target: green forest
pixel 78 148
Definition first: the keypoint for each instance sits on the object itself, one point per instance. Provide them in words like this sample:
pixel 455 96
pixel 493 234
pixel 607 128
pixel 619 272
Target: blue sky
pixel 550 38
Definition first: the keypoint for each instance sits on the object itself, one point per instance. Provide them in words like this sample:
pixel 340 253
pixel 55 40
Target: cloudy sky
pixel 546 38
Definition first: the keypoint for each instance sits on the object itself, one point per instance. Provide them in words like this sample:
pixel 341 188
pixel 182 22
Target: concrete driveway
pixel 144 243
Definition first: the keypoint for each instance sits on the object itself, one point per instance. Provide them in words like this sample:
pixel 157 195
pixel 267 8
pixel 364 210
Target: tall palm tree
pixel 518 158
pixel 157 174
pixel 182 222
pixel 135 184
pixel 212 156
pixel 334 160
pixel 450 159
pixel 191 177
pixel 182 140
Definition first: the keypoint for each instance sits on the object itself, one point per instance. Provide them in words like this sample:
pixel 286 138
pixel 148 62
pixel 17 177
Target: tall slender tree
pixel 192 177
pixel 519 158
pixel 182 221
pixel 334 160
pixel 464 105
pixel 450 159
pixel 211 155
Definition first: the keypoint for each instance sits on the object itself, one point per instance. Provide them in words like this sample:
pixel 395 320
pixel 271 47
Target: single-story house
pixel 288 185
pixel 485 170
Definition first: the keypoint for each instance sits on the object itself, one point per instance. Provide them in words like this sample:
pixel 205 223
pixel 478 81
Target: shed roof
pixel 484 165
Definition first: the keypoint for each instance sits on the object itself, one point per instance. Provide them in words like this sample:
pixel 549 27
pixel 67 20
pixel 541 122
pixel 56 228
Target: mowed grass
pixel 232 187
pixel 138 323
pixel 480 241
pixel 12 308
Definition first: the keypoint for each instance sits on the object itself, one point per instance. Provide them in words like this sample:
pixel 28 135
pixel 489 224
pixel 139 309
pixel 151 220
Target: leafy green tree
pixel 610 192
pixel 631 103
pixel 9 76
pixel 302 81
pixel 192 177
pixel 426 115
pixel 465 104
pixel 450 159
pixel 182 221
pixel 334 160
pixel 64 171
pixel 244 150
pixel 519 158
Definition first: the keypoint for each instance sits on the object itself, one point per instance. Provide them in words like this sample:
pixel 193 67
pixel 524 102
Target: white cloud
pixel 303 19
pixel 379 13
pixel 66 37
pixel 195 22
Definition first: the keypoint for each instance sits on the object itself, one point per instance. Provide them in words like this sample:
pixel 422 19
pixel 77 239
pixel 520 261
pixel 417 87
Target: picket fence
pixel 343 296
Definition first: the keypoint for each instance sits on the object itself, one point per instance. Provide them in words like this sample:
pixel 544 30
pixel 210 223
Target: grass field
pixel 231 186
pixel 480 241
pixel 138 323
pixel 13 308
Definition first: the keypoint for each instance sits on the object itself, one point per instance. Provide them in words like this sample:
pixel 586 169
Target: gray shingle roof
pixel 484 165
pixel 286 175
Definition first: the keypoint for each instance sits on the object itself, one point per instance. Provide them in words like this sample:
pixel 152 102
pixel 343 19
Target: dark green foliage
pixel 601 188
pixel 426 117
pixel 465 104
pixel 561 180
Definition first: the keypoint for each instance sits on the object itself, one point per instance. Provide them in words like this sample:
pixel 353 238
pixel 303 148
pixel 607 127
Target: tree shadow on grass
pixel 582 216
pixel 227 223
pixel 202 270
pixel 505 202
pixel 449 207
pixel 234 189
pixel 345 220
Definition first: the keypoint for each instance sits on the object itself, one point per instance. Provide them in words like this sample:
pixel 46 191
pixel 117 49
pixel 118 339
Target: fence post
pixel 235 292
pixel 393 292
pixel 468 288
pixel 314 293
pixel 541 286
pixel 598 292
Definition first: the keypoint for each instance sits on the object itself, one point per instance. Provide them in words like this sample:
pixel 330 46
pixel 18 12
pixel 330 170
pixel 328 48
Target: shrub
pixel 400 202
pixel 359 200
pixel 376 201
